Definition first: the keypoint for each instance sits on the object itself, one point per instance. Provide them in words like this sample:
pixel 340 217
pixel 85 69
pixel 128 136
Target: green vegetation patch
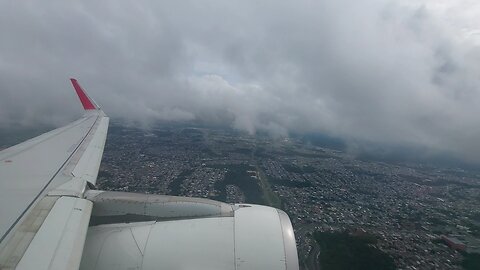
pixel 237 175
pixel 245 151
pixel 288 183
pixel 292 168
pixel 471 261
pixel 339 250
pixel 175 185
pixel 269 197
pixel 298 169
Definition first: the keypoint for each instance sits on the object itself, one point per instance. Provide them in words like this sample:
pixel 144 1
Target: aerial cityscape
pixel 358 119
pixel 401 215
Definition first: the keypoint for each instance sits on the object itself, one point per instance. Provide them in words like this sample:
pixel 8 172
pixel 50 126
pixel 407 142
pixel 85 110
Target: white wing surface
pixel 52 218
pixel 42 182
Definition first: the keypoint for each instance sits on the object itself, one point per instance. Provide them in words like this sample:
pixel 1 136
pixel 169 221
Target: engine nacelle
pixel 137 231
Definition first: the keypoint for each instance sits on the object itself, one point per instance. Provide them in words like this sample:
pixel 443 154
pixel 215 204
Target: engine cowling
pixel 137 231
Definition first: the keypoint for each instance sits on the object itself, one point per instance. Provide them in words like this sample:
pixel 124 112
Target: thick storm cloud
pixel 371 71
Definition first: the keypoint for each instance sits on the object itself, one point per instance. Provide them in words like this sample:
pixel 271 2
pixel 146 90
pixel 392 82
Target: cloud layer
pixel 374 70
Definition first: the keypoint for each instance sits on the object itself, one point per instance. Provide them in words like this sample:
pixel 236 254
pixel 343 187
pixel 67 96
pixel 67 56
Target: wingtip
pixel 87 102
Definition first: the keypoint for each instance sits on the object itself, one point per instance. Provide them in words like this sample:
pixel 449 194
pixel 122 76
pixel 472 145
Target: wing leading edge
pixel 42 182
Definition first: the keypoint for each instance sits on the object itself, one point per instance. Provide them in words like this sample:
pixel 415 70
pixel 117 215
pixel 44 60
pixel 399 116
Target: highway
pixel 311 259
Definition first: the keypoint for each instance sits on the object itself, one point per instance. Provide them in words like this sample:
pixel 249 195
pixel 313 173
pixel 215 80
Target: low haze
pixel 404 73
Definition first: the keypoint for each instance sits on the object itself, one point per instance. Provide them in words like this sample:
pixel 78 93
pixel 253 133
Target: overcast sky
pixel 395 72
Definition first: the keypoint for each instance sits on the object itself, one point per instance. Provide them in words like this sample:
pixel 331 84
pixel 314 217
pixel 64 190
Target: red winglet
pixel 87 103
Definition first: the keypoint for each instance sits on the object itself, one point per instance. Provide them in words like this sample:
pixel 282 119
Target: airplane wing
pixel 52 216
pixel 42 182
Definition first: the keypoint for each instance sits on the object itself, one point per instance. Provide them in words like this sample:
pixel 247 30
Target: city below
pixel 345 211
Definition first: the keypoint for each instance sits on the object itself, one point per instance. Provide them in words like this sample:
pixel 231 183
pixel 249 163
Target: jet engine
pixel 141 231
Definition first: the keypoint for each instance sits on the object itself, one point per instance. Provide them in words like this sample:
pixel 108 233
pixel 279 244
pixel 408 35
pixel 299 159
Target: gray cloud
pixel 373 71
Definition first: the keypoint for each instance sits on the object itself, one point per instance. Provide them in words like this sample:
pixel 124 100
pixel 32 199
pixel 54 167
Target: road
pixel 311 259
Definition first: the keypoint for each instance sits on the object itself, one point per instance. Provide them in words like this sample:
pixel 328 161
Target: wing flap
pixel 23 236
pixel 58 244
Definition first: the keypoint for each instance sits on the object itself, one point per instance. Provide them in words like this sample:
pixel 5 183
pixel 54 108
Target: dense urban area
pixel 347 213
